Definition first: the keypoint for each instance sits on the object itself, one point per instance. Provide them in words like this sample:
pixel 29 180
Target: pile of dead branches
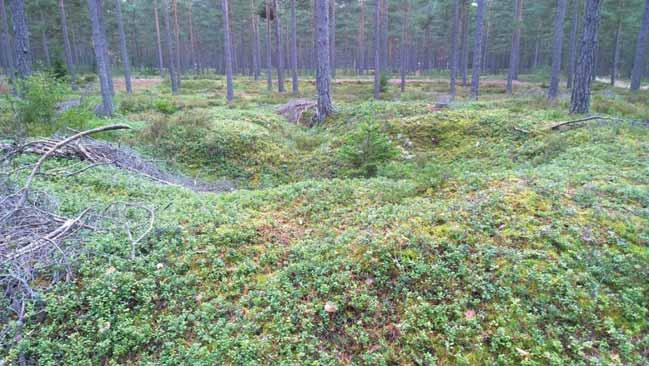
pixel 37 245
pixel 92 153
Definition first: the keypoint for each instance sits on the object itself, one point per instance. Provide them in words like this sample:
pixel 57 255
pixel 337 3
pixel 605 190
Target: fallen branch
pixel 24 192
pixel 580 121
pixel 55 235
pixel 70 139
pixel 97 153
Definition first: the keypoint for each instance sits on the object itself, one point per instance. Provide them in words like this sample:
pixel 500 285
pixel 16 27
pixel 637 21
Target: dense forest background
pixel 416 33
pixel 324 182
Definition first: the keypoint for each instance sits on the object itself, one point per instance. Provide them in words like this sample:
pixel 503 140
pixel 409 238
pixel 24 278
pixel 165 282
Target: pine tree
pixel 22 49
pixel 101 56
pixel 477 49
pixel 323 75
pixel 580 100
pixel 557 49
pixel 227 45
pixel 640 62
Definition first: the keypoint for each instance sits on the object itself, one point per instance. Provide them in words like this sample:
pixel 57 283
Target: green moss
pixel 478 244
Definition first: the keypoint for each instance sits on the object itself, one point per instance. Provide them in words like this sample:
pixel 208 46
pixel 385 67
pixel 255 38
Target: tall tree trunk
pixel 228 49
pixel 101 55
pixel 269 53
pixel 640 62
pixel 256 47
pixel 5 43
pixel 69 58
pixel 485 42
pixel 537 51
pixel 580 100
pixel 192 39
pixel 361 38
pixel 295 82
pixel 23 52
pixel 173 73
pixel 176 30
pixel 323 75
pixel 572 57
pixel 404 45
pixel 46 43
pixel 465 44
pixel 477 49
pixel 124 50
pixel 385 56
pixel 377 49
pixel 76 48
pixel 332 43
pixel 557 49
pixel 596 60
pixel 278 49
pixel 617 49
pixel 158 38
pixel 455 30
pixel 514 58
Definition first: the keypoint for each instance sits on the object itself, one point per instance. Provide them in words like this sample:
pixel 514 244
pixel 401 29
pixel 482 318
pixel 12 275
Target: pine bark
pixel 514 58
pixel 640 61
pixel 23 53
pixel 173 73
pixel 176 30
pixel 477 49
pixel 69 58
pixel 278 49
pixel 269 61
pixel 580 100
pixel 455 30
pixel 404 45
pixel 557 49
pixel 192 38
pixel 323 74
pixel 617 48
pixel 465 44
pixel 616 54
pixel 5 43
pixel 332 43
pixel 537 51
pixel 256 48
pixel 101 56
pixel 46 42
pixel 126 62
pixel 377 50
pixel 384 36
pixel 158 38
pixel 295 82
pixel 228 49
pixel 361 39
pixel 572 57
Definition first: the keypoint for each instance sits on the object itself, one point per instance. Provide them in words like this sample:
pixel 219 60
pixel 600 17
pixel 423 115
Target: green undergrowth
pixel 484 238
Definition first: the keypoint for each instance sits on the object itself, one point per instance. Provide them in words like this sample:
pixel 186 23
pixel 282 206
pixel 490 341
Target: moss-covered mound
pixel 486 239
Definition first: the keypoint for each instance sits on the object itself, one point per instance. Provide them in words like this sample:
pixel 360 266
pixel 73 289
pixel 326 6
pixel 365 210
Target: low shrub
pixel 365 149
pixel 138 104
pixel 34 112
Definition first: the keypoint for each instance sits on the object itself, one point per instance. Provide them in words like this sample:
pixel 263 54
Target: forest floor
pixel 621 83
pixel 474 235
